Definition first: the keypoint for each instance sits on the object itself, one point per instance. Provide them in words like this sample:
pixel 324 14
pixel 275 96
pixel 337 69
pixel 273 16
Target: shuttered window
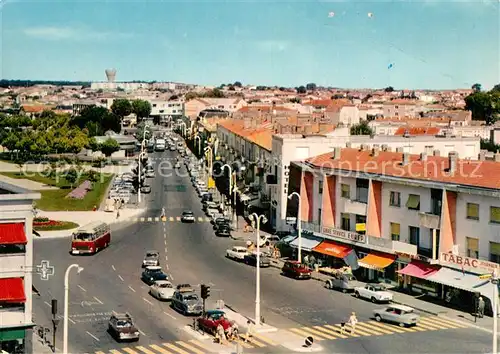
pixel 472 247
pixel 395 231
pixel 473 211
pixel 495 215
pixel 413 202
pixel 495 252
pixel 345 191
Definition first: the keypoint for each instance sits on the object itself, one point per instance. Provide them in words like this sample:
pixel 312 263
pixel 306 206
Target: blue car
pixel 152 274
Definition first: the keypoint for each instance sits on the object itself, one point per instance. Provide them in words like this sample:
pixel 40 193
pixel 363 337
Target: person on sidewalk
pixel 249 332
pixel 353 321
pixel 221 334
pixel 480 307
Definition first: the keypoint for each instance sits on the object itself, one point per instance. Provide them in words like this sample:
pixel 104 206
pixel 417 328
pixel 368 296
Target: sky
pixel 433 44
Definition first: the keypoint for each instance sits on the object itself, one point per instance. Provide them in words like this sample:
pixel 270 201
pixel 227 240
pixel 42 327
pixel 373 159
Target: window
pixel 413 202
pixel 346 221
pixel 495 215
pixel 319 216
pixel 472 247
pixel 395 199
pixel 414 233
pixel 320 187
pixel 495 252
pixel 345 191
pixel 362 190
pixel 473 211
pixel 395 231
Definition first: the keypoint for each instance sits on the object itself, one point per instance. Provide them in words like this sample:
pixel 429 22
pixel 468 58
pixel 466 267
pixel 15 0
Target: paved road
pixel 193 254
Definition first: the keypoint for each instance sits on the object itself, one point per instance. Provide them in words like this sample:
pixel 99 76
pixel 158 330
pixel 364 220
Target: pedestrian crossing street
pixel 166 219
pixel 194 346
pixel 374 328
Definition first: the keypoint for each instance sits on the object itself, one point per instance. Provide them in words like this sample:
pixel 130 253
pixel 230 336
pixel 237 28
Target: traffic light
pixel 205 291
pixel 54 307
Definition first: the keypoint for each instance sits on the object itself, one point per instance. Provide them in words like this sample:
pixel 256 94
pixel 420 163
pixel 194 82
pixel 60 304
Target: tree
pixel 141 108
pixel 109 147
pixel 389 89
pixel 71 176
pixel 190 95
pixel 94 145
pixel 361 129
pixel 237 84
pixel 477 87
pixel 311 86
pixel 231 88
pixel 121 107
pixel 139 134
pixel 215 93
pixel 484 105
pixel 301 89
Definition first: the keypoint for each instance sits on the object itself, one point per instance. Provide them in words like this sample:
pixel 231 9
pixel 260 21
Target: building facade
pixel 16 263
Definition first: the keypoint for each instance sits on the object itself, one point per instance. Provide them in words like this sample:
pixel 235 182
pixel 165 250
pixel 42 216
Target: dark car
pixel 152 274
pixel 146 189
pixel 251 259
pixel 296 270
pixel 223 230
pixel 121 327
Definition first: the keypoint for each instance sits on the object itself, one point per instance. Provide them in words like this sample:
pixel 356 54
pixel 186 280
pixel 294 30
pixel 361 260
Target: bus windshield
pixel 82 236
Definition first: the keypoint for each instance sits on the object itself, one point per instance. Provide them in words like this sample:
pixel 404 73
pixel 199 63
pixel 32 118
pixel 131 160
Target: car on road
pixel 185 288
pixel 251 259
pixel 152 274
pixel 297 270
pixel 343 282
pixel 373 292
pixel 212 319
pixel 162 290
pixel 402 315
pixel 146 189
pixel 187 216
pixel 152 258
pixel 237 253
pixel 150 174
pixel 223 230
pixel 187 303
pixel 121 327
pixel 221 221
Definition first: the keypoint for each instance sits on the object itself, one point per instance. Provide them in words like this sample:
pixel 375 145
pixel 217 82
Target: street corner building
pixel 16 268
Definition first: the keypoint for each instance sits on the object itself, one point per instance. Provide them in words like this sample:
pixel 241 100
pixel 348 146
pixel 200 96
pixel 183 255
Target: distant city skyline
pixel 408 45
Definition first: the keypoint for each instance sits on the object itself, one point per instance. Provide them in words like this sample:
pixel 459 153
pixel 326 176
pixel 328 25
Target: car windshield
pixel 188 213
pixel 155 271
pixel 378 288
pixel 152 255
pixel 83 236
pixel 191 297
pixel 165 286
pixel 121 323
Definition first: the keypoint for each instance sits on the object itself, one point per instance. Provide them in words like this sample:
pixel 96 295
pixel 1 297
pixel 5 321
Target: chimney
pixel 375 150
pixel 337 151
pixel 497 156
pixel 482 155
pixel 423 156
pixel 436 153
pixel 399 149
pixel 406 158
pixel 452 162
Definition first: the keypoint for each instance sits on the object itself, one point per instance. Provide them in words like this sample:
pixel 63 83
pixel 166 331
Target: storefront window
pixel 472 247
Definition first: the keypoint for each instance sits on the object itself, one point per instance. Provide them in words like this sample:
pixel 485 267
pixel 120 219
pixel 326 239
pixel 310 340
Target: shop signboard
pixel 477 265
pixel 291 220
pixel 346 235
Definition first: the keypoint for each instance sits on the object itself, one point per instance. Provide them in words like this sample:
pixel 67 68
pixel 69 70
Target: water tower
pixel 111 75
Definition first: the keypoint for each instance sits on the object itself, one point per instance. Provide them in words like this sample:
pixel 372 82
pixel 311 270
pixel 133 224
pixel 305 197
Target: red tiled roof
pixel 267 109
pixel 417 131
pixel 36 108
pixel 483 174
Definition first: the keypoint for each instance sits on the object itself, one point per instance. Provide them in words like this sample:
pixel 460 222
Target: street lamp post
pixel 494 280
pixel 209 152
pixel 299 225
pixel 230 182
pixel 66 305
pixel 139 176
pixel 183 124
pixel 256 220
pixel 199 143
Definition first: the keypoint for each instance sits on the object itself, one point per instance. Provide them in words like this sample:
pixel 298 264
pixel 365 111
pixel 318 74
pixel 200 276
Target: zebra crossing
pixel 374 328
pixel 165 219
pixel 194 346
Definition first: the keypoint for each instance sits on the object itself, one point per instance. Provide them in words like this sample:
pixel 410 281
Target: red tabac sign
pixel 466 262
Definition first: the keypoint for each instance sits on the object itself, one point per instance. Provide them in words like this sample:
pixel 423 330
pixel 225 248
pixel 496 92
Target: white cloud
pixel 71 33
pixel 273 45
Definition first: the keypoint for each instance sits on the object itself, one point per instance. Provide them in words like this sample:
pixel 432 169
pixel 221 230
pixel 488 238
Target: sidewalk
pixel 240 234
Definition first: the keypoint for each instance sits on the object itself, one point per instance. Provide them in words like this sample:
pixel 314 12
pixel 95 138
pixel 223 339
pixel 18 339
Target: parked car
pixel 121 327
pixel 146 189
pixel 251 259
pixel 343 282
pixel 152 274
pixel 237 253
pixel 404 316
pixel 222 221
pixel 187 303
pixel 373 292
pixel 223 230
pixel 162 290
pixel 187 216
pixel 152 258
pixel 296 270
pixel 212 319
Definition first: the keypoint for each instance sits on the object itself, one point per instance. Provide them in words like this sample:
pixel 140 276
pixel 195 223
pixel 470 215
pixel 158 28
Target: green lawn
pixel 54 200
pixel 64 225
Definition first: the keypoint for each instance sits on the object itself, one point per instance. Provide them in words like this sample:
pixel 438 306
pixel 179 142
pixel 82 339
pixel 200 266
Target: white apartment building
pixel 16 264
pixel 173 109
pixel 111 86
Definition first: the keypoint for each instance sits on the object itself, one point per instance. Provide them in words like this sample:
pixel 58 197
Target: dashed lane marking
pixel 99 301
pixel 169 315
pixel 190 347
pixel 171 218
pixel 178 218
pixel 130 351
pixel 112 266
pixel 121 278
pixel 131 288
pixel 175 349
pixel 90 334
pixel 159 349
pixel 149 302
pixel 144 350
pixel 200 219
pixel 82 288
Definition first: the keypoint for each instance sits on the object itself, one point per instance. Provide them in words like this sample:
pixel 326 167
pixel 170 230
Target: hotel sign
pixel 466 262
pixel 346 235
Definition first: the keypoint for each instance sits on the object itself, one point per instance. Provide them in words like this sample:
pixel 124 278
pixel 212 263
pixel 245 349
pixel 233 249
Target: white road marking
pixel 171 277
pixel 169 315
pixel 164 229
pixel 121 278
pixel 69 319
pixel 46 303
pixel 99 301
pixel 90 334
pixel 165 242
pixel 131 288
pixel 112 266
pixel 178 218
pixel 82 288
pixel 150 219
pixel 171 218
pixel 167 266
pixel 149 302
pixel 141 332
pixel 157 218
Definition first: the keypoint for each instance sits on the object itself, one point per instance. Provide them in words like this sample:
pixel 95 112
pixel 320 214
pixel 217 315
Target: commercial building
pixel 16 264
pixel 429 224
pixel 167 110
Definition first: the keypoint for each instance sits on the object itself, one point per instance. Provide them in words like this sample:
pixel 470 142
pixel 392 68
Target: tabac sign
pixel 466 262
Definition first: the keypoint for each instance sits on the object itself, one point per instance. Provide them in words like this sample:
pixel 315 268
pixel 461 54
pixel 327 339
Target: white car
pixel 373 292
pixel 162 290
pixel 237 253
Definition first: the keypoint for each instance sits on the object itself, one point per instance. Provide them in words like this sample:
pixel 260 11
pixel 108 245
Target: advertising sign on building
pixel 473 264
pixel 346 235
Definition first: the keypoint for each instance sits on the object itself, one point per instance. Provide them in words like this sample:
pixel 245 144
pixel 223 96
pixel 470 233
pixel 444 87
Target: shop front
pixel 331 256
pixel 414 278
pixel 307 243
pixel 378 267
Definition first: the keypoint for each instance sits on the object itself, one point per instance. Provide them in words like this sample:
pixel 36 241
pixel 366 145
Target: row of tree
pixel 484 105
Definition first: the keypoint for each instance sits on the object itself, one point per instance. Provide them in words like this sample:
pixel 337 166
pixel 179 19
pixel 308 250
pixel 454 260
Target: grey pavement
pixel 26 183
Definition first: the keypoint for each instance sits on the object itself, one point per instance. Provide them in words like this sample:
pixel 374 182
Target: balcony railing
pixel 12 316
pixel 357 207
pixel 430 221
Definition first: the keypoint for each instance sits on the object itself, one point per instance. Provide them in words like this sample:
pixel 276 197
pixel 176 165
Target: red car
pixel 211 320
pixel 296 270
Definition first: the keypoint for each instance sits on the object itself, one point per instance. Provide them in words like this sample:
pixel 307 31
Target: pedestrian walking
pixel 480 307
pixel 249 332
pixel 342 328
pixel 234 331
pixel 118 213
pixel 221 333
pixel 353 321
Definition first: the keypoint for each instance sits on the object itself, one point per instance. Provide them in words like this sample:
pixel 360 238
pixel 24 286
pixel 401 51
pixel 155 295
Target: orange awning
pixel 377 261
pixel 332 249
